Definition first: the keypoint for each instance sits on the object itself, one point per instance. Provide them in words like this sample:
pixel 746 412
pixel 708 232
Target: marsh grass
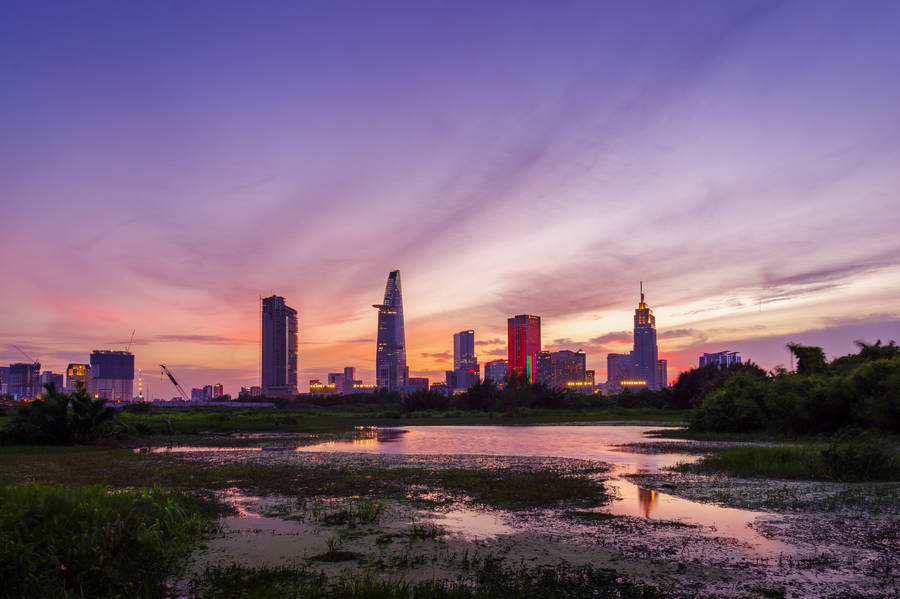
pixel 487 579
pixel 87 541
pixel 863 459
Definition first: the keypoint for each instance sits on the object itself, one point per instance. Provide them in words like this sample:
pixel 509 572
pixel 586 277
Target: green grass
pixel 503 488
pixel 87 541
pixel 863 461
pixel 219 420
pixel 487 579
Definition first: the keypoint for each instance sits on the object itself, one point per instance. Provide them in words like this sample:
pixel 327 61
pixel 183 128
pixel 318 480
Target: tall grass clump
pixel 850 457
pixel 58 541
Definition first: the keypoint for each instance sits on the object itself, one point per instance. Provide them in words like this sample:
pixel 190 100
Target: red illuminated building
pixel 524 342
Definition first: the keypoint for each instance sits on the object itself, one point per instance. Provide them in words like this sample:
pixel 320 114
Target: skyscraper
pixel 279 348
pixel 391 371
pixel 77 373
pixel 645 353
pixel 496 370
pixel 23 380
pixel 523 343
pixel 464 351
pixel 641 367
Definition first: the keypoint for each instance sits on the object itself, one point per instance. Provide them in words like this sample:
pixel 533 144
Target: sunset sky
pixel 165 164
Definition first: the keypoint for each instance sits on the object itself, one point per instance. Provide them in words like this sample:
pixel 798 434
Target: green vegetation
pixel 49 419
pixel 861 390
pixel 852 456
pixel 87 541
pixel 485 579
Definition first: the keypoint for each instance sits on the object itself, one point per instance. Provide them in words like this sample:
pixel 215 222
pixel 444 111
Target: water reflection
pixel 647 498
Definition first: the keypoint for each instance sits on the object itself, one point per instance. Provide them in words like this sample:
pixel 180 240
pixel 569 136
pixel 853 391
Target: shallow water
pixel 592 442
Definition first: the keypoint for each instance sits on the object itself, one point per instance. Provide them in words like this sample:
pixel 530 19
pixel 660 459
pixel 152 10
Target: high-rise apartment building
pixel 75 374
pixel 523 343
pixel 4 380
pixel 721 359
pixel 391 371
pixel 662 374
pixel 24 380
pixel 49 377
pixel 279 348
pixel 112 375
pixel 496 370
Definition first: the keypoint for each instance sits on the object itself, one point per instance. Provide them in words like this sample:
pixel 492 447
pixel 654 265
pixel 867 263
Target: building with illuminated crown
pixel 279 348
pixel 391 371
pixel 77 373
pixel 523 344
pixel 641 367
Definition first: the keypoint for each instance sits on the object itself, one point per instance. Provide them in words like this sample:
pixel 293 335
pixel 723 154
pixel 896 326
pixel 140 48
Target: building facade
pixel 496 370
pixel 49 377
pixel 24 380
pixel 391 371
pixel 75 374
pixel 112 375
pixel 721 359
pixel 558 369
pixel 279 348
pixel 523 343
pixel 641 367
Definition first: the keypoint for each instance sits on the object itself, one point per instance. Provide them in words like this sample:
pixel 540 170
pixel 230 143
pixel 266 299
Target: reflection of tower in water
pixel 647 499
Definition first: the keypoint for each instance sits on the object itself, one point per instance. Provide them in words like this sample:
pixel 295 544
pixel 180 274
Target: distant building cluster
pixel 722 359
pixel 110 374
pixel 207 393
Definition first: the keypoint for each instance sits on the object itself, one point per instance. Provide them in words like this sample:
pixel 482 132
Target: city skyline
pixel 738 157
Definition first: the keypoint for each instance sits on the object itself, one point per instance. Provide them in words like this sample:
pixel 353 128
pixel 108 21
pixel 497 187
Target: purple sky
pixel 164 164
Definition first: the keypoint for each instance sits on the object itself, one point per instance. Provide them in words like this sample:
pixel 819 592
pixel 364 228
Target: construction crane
pixel 22 351
pixel 168 373
pixel 130 341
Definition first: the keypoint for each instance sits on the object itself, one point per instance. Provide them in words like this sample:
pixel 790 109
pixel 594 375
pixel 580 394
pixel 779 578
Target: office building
pixel 112 375
pixel 721 359
pixel 23 380
pixel 75 374
pixel 279 348
pixel 464 351
pixel 641 367
pixel 558 369
pixel 218 391
pixel 496 370
pixel 391 371
pixel 644 356
pixel 523 343
pixel 4 380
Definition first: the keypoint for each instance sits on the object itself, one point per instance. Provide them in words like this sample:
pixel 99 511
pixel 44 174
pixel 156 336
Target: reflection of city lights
pixel 647 499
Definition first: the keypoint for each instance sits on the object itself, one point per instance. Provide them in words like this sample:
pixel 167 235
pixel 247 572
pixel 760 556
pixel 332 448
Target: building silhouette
pixel 523 343
pixel 391 371
pixel 112 375
pixel 279 348
pixel 465 365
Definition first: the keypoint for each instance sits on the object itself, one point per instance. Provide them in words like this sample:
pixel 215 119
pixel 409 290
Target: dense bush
pixel 90 542
pixel 49 419
pixel 860 390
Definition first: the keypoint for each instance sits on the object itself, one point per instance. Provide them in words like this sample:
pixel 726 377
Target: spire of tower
pixel 642 292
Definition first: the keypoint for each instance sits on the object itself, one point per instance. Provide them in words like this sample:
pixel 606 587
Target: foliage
pixel 861 390
pixel 49 419
pixel 87 541
pixel 694 385
pixel 851 456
